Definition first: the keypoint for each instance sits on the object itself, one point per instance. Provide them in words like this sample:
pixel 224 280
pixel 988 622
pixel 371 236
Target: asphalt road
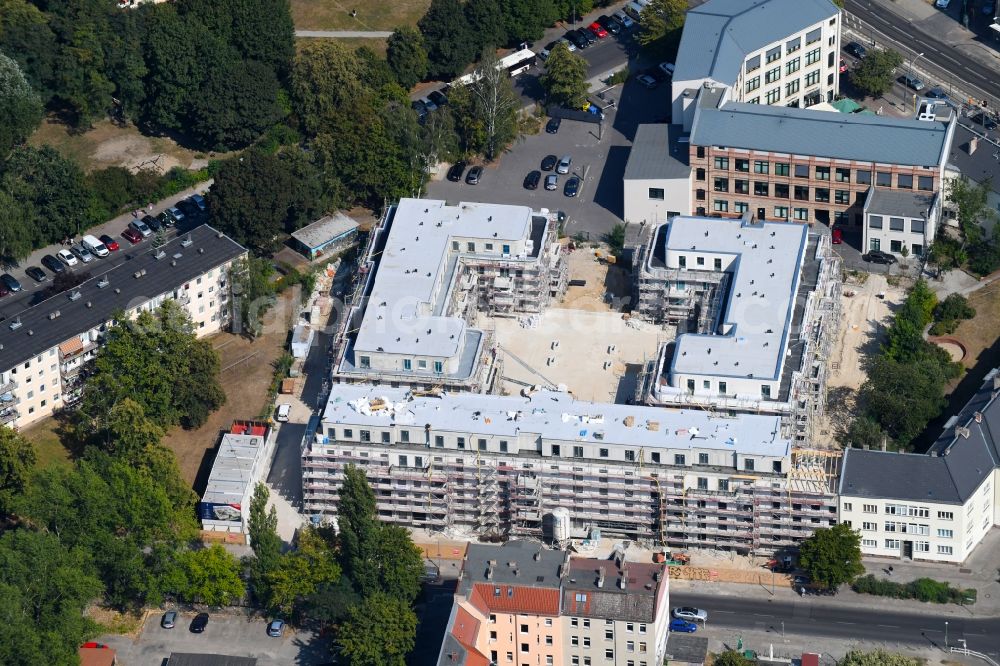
pixel 940 59
pixel 810 617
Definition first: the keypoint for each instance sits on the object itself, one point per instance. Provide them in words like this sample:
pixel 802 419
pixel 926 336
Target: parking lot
pixel 233 635
pixel 599 156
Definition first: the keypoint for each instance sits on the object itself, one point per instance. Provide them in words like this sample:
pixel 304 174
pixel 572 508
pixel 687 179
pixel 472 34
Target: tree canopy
pixel 20 106
pixel 565 78
pixel 379 632
pixel 449 39
pixel 875 73
pixel 832 555
pixel 407 56
pixel 877 657
pixel 17 457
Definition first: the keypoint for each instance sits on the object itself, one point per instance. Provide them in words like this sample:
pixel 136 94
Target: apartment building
pixel 45 349
pixel 754 304
pixel 775 52
pixel 936 506
pixel 429 268
pixel 807 166
pixel 470 464
pixel 976 156
pixel 900 222
pixel 520 604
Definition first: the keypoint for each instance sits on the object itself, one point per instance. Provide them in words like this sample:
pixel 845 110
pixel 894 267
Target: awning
pixel 71 347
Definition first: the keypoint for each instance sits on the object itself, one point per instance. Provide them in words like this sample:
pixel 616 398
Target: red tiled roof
pixel 517 599
pixel 466 628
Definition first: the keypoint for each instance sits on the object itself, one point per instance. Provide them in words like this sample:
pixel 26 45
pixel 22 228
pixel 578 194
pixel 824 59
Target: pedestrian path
pixel 342 34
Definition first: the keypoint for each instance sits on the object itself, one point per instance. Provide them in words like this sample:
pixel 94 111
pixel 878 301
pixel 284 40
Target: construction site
pixel 571 430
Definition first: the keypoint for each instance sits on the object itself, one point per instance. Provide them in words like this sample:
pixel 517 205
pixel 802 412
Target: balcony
pixel 8 387
pixel 8 414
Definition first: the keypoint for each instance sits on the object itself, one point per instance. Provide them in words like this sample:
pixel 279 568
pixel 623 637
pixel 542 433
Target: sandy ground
pixel 601 279
pixel 864 317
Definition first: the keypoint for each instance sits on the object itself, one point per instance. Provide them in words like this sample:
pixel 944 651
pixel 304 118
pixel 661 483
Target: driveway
pixel 233 635
pixel 599 158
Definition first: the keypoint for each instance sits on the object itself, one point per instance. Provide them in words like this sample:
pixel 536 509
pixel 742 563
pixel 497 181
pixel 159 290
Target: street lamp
pixel 909 74
pixel 946 634
pixel 782 630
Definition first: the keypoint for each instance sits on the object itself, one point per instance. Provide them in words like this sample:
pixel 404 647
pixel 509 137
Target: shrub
pixel 922 589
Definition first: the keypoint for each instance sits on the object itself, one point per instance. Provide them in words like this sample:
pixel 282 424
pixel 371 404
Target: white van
pixel 283 411
pixel 94 246
pixel 633 9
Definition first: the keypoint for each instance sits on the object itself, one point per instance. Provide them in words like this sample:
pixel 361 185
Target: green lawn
pixel 336 14
pixel 48 446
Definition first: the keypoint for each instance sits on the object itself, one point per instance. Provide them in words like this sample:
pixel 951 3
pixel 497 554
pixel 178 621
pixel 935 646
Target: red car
pixel 843 66
pixel 837 236
pixel 110 243
pixel 132 236
pixel 598 30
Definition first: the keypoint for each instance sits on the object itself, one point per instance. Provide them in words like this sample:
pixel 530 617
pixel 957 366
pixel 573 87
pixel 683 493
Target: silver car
pixel 82 253
pixel 691 614
pixel 564 162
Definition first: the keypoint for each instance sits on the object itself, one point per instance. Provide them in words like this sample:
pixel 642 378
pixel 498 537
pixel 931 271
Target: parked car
pixel 682 626
pixel 284 410
pixel 110 243
pixel 942 4
pixel 689 613
pixel 551 181
pixel 151 222
pixel 199 623
pixel 623 19
pixel 420 109
pixel 438 97
pixel 94 246
pixel 82 253
pixel 588 35
pixel 132 236
pixel 911 82
pixel 609 24
pixel 667 68
pixel 36 273
pixel 879 257
pixel 276 628
pixel 176 214
pixel 10 282
pixel 552 127
pixel 189 208
pixel 169 620
pixel 836 236
pixel 569 45
pixel 547 51
pixel 856 50
pixel 647 81
pixel 53 264
pixel 456 171
pixel 475 173
pixel 532 179
pixel 800 581
pixel 936 93
pixel 428 104
pixel 67 257
pixel 549 162
pixel 572 187
pixel 564 164
pixel 576 38
pixel 843 65
pixel 200 202
pixel 141 227
pixel 984 120
pixel 597 30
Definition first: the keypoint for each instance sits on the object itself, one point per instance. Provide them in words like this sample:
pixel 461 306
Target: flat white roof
pixel 232 470
pixel 766 268
pixel 403 315
pixel 557 416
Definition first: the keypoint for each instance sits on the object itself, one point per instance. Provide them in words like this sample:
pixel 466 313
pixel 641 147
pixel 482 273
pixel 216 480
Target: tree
pixel 262 528
pixel 832 556
pixel 903 396
pixel 16 237
pixel 616 238
pixel 237 102
pixel 866 433
pixel 208 575
pixel 393 565
pixel 407 56
pixel 20 106
pixel 17 458
pixel 565 78
pixel 874 75
pixel 253 288
pixel 330 603
pixel 496 105
pixel 449 40
pixel 486 23
pixel 130 434
pixel 877 657
pixel 380 631
pixel 730 658
pixel 661 22
pixel 300 573
pixel 971 204
pixel 526 20
pixel 356 519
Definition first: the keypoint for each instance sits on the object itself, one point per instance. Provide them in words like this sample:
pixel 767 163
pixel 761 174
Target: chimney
pixel 973 144
pixel 623 581
pixel 979 417
pixel 964 432
pixel 600 577
pixel 538 555
pixel 489 571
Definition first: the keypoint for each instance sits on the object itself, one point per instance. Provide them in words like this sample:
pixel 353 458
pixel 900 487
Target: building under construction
pixel 429 268
pixel 754 305
pixel 548 466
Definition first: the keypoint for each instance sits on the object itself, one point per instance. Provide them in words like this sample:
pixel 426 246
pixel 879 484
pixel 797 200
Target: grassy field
pixel 48 447
pixel 107 144
pixel 979 334
pixel 336 14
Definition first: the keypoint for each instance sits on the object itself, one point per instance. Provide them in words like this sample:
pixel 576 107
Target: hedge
pixel 922 589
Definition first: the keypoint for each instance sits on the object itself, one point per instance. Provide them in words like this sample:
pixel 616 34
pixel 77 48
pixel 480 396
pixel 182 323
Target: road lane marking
pixel 839 622
pixel 888 626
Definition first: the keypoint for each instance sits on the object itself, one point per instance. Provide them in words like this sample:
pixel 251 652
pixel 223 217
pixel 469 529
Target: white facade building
pixel 898 219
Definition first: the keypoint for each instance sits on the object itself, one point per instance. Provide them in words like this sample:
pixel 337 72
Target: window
pixel 609 635
pixel 366 362
pixel 702 483
pixel 772 75
pixel 842 175
pixel 842 197
pixel 438 367
pixel 773 96
pixel 869 508
pixel 945 515
pixel 577 451
pixel 701 151
pixel 721 185
pixel 679 459
pixel 760 166
pixel 439 441
pixel 801 170
pixel 722 163
pixel 702 458
pixel 944 550
pixel 603 453
pixel 793 45
pixel 814 36
pixel 722 391
pixel 812 78
pixel 743 165
pixel 720 206
pixel 945 534
pixel 874 221
pixel 748 464
pixel 524 647
pixel 717 263
pixel 896 224
pixel 892 544
pixel 741 186
pixel 556 450
pixel 883 179
pixel 822 194
pixel 609 654
pixel 773 54
pixel 422 364
pixel 917 226
pixel 780 168
pixel 904 181
pixel 864 177
pixel 791 88
pixel 792 66
pixel 869 543
pixel 822 173
pixel 781 191
pixel 385 437
pixel 503 446
pixel 922 546
pixel 869 527
pixel 741 207
pixel 801 214
pixel 753 63
pixel 781 212
pixel 481 444
pixel 407 364
pixel 925 183
pixel 460 441
pixel 700 195
pixel 524 628
pixel 801 193
pixel 656 193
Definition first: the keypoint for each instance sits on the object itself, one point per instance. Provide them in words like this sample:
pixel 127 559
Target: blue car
pixel 683 626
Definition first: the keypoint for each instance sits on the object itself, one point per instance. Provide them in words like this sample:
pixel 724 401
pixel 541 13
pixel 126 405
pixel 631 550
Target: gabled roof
pixel 522 599
pixel 982 164
pixel 655 154
pixel 720 34
pixel 589 594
